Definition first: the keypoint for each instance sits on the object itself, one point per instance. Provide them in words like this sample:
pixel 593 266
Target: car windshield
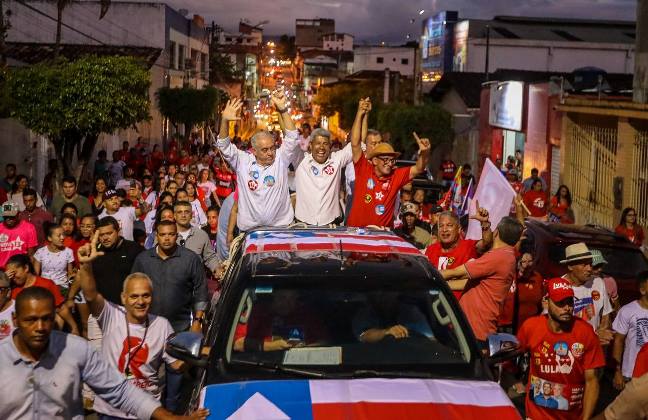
pixel 622 262
pixel 343 329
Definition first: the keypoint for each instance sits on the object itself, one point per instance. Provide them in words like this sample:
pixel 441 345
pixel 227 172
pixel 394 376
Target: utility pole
pixel 417 74
pixel 487 52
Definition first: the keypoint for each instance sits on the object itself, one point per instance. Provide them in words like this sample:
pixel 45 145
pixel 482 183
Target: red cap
pixel 559 289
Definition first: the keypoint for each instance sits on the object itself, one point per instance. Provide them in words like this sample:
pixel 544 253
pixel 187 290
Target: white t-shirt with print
pixel 6 322
pixel 631 321
pixel 126 217
pixel 54 264
pixel 591 301
pixel 145 361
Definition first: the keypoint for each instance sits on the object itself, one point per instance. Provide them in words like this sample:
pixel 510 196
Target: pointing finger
pixel 418 140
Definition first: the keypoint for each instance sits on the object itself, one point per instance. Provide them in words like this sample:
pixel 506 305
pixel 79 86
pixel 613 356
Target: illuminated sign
pixel 460 46
pixel 506 105
pixel 436 42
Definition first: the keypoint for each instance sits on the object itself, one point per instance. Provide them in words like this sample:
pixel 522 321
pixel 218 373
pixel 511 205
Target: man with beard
pixel 133 339
pixel 564 351
pixel 37 216
pixel 42 370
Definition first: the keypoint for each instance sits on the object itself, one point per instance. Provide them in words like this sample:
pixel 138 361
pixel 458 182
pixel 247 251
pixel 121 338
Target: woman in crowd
pixel 560 206
pixel 211 228
pixel 225 180
pixel 629 228
pixel 164 212
pixel 96 199
pixel 208 188
pixel 16 194
pixel 55 261
pixel 196 198
pixel 536 200
pixel 149 221
pixel 68 223
pixel 172 187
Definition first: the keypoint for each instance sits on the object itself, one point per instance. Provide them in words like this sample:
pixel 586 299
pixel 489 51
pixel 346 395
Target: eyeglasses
pixel 632 215
pixel 386 160
pixel 4 289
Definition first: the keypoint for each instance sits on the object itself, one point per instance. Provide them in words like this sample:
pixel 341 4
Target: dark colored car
pixel 304 318
pixel 433 190
pixel 547 242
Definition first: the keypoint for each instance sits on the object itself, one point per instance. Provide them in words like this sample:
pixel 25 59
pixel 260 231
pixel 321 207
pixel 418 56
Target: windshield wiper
pixel 284 369
pixel 370 373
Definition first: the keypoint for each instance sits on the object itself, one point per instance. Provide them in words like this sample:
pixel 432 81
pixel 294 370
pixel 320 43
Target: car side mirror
pixel 502 346
pixel 186 346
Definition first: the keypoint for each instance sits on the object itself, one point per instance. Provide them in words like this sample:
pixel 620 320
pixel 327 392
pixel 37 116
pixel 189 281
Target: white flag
pixel 495 194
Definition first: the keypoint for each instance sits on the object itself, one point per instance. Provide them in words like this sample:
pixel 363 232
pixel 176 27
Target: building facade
pixel 400 59
pixel 337 42
pixel 309 32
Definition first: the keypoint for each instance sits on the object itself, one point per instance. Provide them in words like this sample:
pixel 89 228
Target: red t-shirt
pixel 225 182
pixel 490 278
pixel 46 284
pixel 558 359
pixel 374 198
pixel 530 293
pixel 636 235
pixel 464 251
pixel 17 240
pixel 536 201
pixel 448 170
pixel 641 363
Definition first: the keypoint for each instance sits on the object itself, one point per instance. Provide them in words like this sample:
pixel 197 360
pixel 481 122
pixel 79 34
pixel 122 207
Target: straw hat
pixel 576 252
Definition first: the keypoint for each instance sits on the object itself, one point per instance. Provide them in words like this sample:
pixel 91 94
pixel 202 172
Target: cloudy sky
pixel 390 19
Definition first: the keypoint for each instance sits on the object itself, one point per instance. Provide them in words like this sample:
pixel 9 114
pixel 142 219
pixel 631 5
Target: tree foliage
pixel 72 103
pixel 222 70
pixel 189 106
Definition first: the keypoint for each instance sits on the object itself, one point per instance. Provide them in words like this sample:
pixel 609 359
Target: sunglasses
pixel 386 160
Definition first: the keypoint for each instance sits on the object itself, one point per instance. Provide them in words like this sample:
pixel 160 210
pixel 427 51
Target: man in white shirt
pixel 126 216
pixel 262 176
pixel 133 340
pixel 317 181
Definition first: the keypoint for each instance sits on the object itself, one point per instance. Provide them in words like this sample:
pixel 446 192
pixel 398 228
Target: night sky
pixel 389 20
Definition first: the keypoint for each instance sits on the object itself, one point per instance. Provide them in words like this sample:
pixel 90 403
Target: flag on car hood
pixel 357 399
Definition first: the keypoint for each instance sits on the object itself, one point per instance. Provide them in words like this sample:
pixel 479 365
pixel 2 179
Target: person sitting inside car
pixel 386 316
pixel 282 324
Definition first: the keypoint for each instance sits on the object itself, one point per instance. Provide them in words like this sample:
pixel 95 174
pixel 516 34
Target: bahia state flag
pixel 357 399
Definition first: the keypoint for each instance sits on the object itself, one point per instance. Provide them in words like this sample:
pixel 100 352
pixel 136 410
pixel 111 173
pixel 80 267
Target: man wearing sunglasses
pixel 377 181
pixel 565 353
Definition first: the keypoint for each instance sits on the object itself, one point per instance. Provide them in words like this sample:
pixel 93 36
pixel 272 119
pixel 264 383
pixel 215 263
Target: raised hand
pixel 280 101
pixel 423 144
pixel 364 105
pixel 88 252
pixel 232 110
pixel 481 215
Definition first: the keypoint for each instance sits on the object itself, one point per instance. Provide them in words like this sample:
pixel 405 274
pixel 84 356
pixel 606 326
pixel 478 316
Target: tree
pixel 221 68
pixel 286 47
pixel 72 103
pixel 189 106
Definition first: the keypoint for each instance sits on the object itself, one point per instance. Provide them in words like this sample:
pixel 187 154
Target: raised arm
pixel 482 217
pixel 226 148
pixel 356 131
pixel 88 253
pixel 289 150
pixel 424 155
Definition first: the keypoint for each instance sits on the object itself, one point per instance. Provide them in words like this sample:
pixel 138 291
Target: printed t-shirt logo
pixel 596 295
pixel 380 196
pixel 315 170
pixel 329 170
pixel 539 203
pixel 6 245
pixel 252 185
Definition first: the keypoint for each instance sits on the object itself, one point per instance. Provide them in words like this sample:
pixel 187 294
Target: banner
pixel 495 194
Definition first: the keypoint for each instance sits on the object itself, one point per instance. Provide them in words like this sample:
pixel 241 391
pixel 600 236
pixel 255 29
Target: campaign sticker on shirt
pixel 577 349
pixel 596 295
pixel 561 348
pixel 329 170
pixel 380 209
pixel 370 184
pixel 367 198
pixel 254 174
pixel 252 185
pixel 315 170
pixel 385 186
pixel 269 181
pixel 380 196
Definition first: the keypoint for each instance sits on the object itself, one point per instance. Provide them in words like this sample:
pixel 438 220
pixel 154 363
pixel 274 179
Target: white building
pixel 400 59
pixel 544 44
pixel 337 42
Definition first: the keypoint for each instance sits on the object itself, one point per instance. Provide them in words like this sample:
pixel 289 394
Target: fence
pixel 639 179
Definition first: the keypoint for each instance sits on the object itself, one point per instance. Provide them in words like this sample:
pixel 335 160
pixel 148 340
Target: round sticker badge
pixel 329 170
pixel 385 186
pixel 252 185
pixel 254 174
pixel 577 349
pixel 269 181
pixel 596 295
pixel 380 209
pixel 561 348
pixel 367 198
pixel 370 184
pixel 315 170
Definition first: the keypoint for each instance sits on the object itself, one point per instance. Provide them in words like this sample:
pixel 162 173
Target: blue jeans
pixel 173 389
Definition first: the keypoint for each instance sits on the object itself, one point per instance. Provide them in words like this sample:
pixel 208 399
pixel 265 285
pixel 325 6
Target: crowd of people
pixel 140 256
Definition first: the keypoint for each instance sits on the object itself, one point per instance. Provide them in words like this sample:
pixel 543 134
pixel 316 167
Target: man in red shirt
pixel 565 353
pixel 447 170
pixel 377 181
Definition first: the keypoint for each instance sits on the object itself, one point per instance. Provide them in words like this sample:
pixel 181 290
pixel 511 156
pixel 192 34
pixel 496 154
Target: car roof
pixel 343 252
pixel 585 233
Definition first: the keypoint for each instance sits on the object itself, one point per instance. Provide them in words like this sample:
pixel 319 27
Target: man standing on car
pixel 565 353
pixel 262 176
pixel 487 280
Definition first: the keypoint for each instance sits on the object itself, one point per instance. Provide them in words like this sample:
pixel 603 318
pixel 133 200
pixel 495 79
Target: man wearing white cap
pixel 591 301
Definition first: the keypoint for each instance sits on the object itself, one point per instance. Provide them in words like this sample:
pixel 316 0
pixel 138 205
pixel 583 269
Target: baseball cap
pixel 10 209
pixel 408 207
pixel 559 289
pixel 110 194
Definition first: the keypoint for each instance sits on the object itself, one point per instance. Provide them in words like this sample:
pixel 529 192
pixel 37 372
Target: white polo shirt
pixel 318 187
pixel 264 199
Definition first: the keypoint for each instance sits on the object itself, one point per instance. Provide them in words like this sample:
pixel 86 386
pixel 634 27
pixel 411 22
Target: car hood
pixel 374 398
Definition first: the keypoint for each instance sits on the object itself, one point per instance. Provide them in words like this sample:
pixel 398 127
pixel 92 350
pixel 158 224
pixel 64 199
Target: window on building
pixel 228 39
pixel 203 65
pixel 405 61
pixel 181 57
pixel 172 55
pixel 379 60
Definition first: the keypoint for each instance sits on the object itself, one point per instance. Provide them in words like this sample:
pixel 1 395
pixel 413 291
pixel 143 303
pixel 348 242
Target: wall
pixel 535 148
pixel 365 59
pixel 546 56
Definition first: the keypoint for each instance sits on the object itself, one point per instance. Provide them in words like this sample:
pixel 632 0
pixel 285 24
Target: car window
pixel 622 262
pixel 343 328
